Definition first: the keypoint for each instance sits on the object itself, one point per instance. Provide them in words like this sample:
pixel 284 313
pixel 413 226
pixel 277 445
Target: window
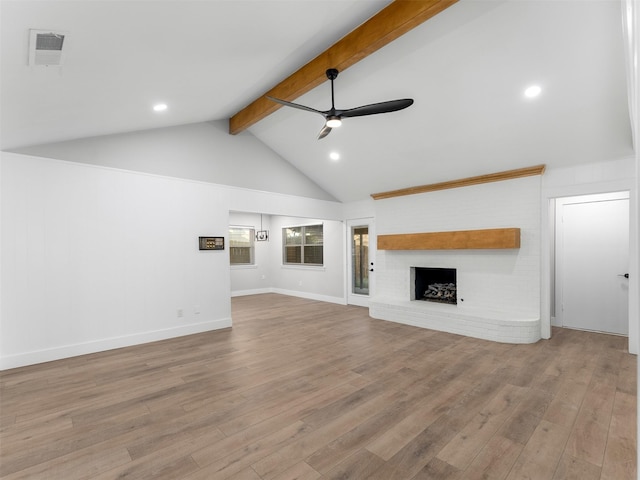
pixel 303 245
pixel 241 245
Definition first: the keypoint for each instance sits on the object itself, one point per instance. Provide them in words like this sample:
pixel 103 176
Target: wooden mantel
pixel 494 238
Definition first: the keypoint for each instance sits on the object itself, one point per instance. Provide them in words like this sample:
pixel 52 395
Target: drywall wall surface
pixel 600 177
pixel 258 277
pixel 200 151
pixel 324 282
pixel 361 209
pixel 95 258
pixel 594 178
pixel 273 203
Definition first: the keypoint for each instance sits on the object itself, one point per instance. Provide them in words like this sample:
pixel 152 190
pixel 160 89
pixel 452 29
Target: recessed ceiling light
pixel 532 91
pixel 160 107
pixel 334 156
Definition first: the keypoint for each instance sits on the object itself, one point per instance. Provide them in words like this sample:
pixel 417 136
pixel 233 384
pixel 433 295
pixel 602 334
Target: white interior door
pixel 593 257
pixel 361 261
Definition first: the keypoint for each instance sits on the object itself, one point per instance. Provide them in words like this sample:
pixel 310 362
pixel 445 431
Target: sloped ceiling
pixel 466 69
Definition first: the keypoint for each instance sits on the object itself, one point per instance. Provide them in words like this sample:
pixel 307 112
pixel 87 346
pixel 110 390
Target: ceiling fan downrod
pixel 332 120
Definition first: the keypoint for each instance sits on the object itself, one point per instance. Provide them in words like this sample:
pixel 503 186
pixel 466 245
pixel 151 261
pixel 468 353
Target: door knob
pixel 625 275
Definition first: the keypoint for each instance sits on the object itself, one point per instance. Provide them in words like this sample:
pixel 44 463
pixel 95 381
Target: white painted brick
pixel 500 288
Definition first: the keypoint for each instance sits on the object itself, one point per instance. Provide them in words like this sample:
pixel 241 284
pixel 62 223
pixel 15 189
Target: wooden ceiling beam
pixel 463 182
pixel 390 23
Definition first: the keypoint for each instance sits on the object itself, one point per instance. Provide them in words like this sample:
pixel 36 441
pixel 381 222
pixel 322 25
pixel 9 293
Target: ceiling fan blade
pixel 324 132
pixel 374 108
pixel 294 105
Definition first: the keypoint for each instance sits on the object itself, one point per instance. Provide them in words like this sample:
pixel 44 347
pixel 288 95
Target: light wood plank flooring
pixel 300 389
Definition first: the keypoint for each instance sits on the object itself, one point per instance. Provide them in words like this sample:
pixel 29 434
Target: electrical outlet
pixel 180 313
pixel 300 283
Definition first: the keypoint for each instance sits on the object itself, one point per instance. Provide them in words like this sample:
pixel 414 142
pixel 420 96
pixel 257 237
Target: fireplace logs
pixel 441 292
pixel 434 284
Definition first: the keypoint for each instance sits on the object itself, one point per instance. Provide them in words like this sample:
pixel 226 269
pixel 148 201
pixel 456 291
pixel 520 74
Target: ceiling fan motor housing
pixel 333 117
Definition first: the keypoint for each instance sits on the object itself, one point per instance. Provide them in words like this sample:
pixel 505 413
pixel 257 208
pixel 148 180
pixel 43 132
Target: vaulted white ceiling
pixel 466 69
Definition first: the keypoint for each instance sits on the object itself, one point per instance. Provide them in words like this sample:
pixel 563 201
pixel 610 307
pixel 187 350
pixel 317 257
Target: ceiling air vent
pixel 45 47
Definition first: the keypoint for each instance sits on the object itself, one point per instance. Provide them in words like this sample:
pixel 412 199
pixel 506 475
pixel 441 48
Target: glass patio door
pixel 360 260
pixel 360 268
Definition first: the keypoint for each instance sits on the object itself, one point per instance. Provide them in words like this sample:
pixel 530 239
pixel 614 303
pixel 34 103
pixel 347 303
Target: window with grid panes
pixel 241 245
pixel 303 245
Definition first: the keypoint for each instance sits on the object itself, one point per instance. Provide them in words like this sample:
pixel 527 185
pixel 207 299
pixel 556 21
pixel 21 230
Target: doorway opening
pixel 592 262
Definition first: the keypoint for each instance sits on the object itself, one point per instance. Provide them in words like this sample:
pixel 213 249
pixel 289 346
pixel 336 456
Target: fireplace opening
pixel 436 285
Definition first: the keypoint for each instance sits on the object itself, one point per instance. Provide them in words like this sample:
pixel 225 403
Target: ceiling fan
pixel 333 117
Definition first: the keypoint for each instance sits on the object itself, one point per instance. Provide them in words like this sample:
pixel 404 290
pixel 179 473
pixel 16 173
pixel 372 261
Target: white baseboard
pixel 291 293
pixel 311 296
pixel 255 291
pixel 57 353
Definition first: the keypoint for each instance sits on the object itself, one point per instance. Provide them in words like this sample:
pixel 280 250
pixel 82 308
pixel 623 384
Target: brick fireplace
pixel 497 287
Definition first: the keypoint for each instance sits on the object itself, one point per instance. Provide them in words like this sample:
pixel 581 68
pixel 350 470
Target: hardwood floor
pixel 300 389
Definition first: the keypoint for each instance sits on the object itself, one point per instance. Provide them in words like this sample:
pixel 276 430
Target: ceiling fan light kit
pixel 333 117
pixel 333 121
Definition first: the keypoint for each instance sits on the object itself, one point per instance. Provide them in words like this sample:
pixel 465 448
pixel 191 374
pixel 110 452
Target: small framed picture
pixel 211 243
pixel 262 235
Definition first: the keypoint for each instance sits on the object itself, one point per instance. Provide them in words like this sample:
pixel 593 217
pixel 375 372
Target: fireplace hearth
pixel 435 285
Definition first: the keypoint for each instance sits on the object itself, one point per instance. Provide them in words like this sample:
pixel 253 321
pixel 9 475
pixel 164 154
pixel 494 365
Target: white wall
pixel 95 258
pixel 631 21
pixel 257 278
pixel 362 209
pixel 603 177
pixel 324 283
pixel 200 151
pixel 505 280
